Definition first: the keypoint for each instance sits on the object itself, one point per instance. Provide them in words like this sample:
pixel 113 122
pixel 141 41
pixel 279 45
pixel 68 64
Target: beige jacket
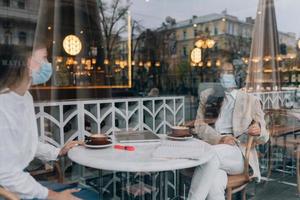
pixel 247 108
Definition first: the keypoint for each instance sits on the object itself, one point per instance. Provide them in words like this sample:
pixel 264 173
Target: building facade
pixel 173 42
pixel 231 34
pixel 18 19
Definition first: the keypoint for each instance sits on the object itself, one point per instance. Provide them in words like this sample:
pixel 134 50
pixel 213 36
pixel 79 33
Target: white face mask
pixel 228 81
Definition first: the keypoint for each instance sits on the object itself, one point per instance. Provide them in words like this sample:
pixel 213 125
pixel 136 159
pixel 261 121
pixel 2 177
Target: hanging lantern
pixel 196 55
pixel 157 64
pixel 199 43
pixel 209 63
pixel 106 61
pixel 210 43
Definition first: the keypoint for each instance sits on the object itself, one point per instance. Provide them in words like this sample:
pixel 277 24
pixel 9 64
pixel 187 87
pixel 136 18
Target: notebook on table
pixel 136 137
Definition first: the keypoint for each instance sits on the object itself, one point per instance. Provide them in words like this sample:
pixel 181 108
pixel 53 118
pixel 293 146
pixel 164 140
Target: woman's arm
pixel 259 117
pixel 203 130
pixel 12 176
pixel 47 152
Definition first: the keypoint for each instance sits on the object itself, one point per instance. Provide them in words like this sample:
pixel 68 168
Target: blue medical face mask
pixel 43 74
pixel 228 81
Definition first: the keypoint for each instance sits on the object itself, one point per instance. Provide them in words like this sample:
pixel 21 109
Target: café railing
pixel 277 99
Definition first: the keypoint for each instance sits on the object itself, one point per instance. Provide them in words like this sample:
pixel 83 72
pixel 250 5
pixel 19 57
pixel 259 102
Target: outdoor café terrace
pixel 135 99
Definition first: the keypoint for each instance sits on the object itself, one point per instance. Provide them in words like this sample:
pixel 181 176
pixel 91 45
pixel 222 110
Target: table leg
pixel 81 174
pixel 122 186
pixel 161 185
pixel 100 184
pixel 177 182
pixel 141 184
pixel 130 180
pixel 284 155
pixel 166 184
pixel 153 179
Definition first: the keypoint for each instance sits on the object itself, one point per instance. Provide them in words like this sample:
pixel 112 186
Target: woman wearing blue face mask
pixel 18 130
pixel 227 78
pixel 43 75
pixel 41 69
pixel 238 116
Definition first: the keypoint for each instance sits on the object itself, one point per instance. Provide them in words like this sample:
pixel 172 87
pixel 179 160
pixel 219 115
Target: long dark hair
pixel 13 66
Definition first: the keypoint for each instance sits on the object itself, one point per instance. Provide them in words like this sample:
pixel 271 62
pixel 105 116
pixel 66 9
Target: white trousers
pixel 210 179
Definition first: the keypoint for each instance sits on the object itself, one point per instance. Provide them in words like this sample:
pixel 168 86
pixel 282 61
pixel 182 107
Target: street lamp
pixel 196 56
pixel 207 43
pixel 196 53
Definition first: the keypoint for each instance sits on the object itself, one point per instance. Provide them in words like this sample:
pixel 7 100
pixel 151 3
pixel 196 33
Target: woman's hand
pixel 254 129
pixel 68 146
pixel 228 139
pixel 64 195
pixel 190 123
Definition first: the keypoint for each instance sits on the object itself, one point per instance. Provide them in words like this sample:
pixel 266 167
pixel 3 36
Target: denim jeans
pixel 84 193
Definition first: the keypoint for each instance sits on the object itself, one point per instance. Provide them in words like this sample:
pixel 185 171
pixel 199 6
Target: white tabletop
pixel 140 160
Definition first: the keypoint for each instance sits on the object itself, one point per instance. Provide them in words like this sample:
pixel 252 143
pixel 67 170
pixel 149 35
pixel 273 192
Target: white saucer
pixel 98 146
pixel 179 138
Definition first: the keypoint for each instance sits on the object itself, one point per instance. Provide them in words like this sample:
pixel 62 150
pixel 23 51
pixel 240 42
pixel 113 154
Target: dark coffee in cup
pixel 180 131
pixel 97 139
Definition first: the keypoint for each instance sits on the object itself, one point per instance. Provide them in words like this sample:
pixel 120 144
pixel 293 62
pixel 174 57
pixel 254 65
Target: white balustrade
pixel 63 121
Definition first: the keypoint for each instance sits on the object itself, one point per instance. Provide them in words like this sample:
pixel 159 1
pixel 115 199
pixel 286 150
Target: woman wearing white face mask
pixel 18 130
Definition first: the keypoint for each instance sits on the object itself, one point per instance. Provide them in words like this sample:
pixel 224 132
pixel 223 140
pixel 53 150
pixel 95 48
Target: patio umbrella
pixel 263 69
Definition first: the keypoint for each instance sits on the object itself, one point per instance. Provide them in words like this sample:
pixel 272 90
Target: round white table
pixel 140 160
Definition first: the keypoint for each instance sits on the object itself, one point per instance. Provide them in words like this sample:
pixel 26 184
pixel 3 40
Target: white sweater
pixel 19 145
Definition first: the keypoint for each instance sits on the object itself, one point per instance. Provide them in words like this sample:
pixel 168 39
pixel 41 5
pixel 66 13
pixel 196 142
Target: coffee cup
pixel 180 131
pixel 97 139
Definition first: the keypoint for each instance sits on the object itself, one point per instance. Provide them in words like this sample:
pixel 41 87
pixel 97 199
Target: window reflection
pixel 160 54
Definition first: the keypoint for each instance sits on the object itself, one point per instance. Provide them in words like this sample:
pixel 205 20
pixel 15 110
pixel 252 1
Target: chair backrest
pixel 8 195
pixel 52 170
